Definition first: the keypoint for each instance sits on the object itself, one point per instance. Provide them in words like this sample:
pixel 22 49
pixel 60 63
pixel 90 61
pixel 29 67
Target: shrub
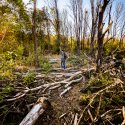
pixel 7 65
pixel 84 99
pixel 29 78
pixel 45 65
pixel 5 90
pixel 110 47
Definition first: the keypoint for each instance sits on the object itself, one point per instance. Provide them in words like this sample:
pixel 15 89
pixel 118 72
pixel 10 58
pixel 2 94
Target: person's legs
pixel 64 64
pixel 61 63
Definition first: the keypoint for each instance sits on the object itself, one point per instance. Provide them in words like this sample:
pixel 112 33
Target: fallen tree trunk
pixel 38 109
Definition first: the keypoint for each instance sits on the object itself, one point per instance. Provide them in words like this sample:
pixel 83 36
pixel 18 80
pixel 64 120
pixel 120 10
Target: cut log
pixel 38 109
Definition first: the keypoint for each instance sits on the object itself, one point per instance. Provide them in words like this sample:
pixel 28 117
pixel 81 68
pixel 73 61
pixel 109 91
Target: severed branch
pixel 91 117
pixel 117 82
pixel 74 75
pixel 53 85
pixel 107 41
pixel 18 97
pixel 98 108
pixel 63 115
pixel 74 81
pixel 65 91
pixel 107 29
pixel 104 114
pixel 123 112
pixel 76 119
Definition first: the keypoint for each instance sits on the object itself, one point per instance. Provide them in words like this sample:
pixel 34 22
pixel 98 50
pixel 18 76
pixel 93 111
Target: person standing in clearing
pixel 63 59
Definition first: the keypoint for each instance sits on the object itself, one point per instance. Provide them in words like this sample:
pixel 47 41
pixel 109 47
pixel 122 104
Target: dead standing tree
pixel 76 6
pixel 119 25
pixel 34 35
pixel 117 18
pixel 84 29
pixel 57 25
pixel 122 35
pixel 101 35
pixel 64 29
pixel 94 13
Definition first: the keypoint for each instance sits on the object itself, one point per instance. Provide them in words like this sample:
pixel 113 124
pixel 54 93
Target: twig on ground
pixel 117 82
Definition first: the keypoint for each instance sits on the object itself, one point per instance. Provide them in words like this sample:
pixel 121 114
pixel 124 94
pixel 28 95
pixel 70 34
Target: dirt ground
pixel 68 104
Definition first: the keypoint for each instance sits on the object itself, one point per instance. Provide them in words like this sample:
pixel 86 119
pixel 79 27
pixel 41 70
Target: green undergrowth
pixel 6 90
pixel 77 60
pixel 45 65
pixel 29 78
pixel 101 99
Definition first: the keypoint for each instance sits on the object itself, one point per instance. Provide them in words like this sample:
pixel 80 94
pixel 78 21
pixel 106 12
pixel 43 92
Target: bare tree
pixel 122 35
pixel 94 13
pixel 48 25
pixel 77 10
pixel 109 21
pixel 57 25
pixel 70 27
pixel 34 35
pixel 117 20
pixel 101 35
pixel 84 29
pixel 64 28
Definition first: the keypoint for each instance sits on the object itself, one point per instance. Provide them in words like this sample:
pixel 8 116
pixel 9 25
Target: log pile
pixel 26 96
pixel 57 81
pixel 99 105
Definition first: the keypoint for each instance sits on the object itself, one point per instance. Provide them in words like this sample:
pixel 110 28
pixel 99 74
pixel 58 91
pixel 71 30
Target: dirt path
pixel 68 104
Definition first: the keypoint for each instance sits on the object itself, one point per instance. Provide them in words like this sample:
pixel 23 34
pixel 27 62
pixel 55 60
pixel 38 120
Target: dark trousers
pixel 63 63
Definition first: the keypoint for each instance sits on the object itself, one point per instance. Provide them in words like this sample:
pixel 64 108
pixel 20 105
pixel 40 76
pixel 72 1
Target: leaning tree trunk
pixel 101 34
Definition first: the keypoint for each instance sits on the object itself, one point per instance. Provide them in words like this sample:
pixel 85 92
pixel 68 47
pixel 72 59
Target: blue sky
pixel 62 4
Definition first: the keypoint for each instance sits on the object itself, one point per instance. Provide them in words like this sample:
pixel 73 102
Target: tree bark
pixel 34 36
pixel 57 20
pixel 38 109
pixel 101 35
pixel 94 13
